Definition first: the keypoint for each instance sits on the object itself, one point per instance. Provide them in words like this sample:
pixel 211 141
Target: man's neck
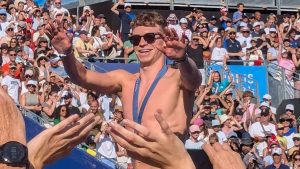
pixel 277 165
pixel 149 71
pixel 265 123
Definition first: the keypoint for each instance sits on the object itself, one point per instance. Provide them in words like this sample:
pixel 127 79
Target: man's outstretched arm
pixel 190 76
pixel 100 82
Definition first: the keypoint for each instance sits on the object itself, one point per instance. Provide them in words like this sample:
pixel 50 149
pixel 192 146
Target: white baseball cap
pixel 243 24
pixel 289 107
pixel 86 8
pixel 256 24
pixel 273 30
pixel 183 20
pixel 276 150
pixel 267 96
pixel 127 5
pixel 32 82
pixel 266 104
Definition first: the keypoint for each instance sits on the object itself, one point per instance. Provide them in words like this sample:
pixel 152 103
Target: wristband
pixel 68 52
pixel 185 58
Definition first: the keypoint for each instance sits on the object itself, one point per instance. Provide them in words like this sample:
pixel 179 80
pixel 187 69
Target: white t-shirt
pixel 242 40
pixel 222 137
pixel 13 86
pixel 106 106
pixel 219 54
pixel 256 129
pixel 106 147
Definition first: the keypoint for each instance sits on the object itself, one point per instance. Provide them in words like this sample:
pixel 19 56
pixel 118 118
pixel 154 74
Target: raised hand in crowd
pixel 165 150
pixel 60 140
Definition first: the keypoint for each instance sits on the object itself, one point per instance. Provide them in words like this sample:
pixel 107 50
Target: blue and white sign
pixel 247 78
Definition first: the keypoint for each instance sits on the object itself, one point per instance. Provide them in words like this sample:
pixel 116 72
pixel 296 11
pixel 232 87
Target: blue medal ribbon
pixel 137 117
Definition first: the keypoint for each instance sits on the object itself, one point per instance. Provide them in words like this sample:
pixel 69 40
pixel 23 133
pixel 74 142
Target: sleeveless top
pixel 31 99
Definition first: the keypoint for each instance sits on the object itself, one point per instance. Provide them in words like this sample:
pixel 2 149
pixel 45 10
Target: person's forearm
pixel 190 75
pixel 74 68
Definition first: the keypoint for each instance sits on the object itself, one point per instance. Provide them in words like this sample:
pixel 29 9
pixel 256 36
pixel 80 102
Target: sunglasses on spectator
pixel 13 68
pixel 272 32
pixel 13 54
pixel 217 126
pixel 196 132
pixel 289 110
pixel 284 120
pixel 148 37
pixel 31 85
pixel 265 114
pixel 296 139
pixel 10 29
pixel 232 33
pixel 3 14
pixel 280 128
pixel 296 159
pixel 13 41
pixel 28 76
pixel 246 32
pixel 63 110
pixel 58 3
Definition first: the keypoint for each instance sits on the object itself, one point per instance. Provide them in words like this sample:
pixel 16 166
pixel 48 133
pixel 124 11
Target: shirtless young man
pixel 173 95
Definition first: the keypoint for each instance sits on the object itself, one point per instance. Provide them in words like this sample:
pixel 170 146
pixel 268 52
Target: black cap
pixel 101 16
pixel 213 18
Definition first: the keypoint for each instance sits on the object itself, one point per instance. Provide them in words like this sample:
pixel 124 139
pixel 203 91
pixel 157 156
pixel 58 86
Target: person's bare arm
pixel 49 111
pixel 114 8
pixel 5 88
pixel 100 82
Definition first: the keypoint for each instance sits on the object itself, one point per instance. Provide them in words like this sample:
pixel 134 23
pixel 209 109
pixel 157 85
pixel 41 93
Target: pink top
pixel 288 65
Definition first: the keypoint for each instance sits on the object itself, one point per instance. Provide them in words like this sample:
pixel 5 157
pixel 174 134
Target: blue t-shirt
pixel 189 144
pixel 126 19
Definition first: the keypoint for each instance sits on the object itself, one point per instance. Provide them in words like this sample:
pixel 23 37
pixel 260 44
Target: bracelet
pixel 185 58
pixel 67 53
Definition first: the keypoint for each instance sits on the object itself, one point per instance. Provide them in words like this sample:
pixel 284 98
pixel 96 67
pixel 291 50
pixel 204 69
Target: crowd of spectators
pixel 33 75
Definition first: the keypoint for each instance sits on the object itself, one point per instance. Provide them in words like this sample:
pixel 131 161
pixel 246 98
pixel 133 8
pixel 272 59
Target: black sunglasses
pixel 265 114
pixel 28 76
pixel 232 33
pixel 289 110
pixel 283 120
pixel 296 139
pixel 57 2
pixel 246 32
pixel 196 132
pixel 31 85
pixel 148 37
pixel 13 54
pixel 10 29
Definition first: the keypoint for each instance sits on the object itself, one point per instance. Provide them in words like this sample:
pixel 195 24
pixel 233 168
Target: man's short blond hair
pixel 149 19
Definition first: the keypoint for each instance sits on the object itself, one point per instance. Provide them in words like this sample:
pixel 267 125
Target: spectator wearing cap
pixel 83 48
pixel 11 84
pixel 9 34
pixel 12 11
pixel 234 48
pixel 184 30
pixel 260 129
pixel 288 130
pixel 58 8
pixel 268 98
pixel 194 51
pixel 40 34
pixel 224 17
pixel 172 21
pixel 256 30
pixel 67 100
pixel 296 139
pixel 55 67
pixel 3 22
pixel 216 126
pixel 126 17
pixel 42 65
pixel 36 15
pixel 281 139
pixel 249 154
pixel 28 75
pixel 212 23
pixel 229 125
pixel 30 99
pixel 237 16
pixel 100 21
pixel 277 159
pixel 12 59
pixel 193 143
pixel 21 27
pixel 245 39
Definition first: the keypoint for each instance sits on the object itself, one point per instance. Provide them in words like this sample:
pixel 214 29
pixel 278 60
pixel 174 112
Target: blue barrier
pixel 253 78
pixel 76 160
